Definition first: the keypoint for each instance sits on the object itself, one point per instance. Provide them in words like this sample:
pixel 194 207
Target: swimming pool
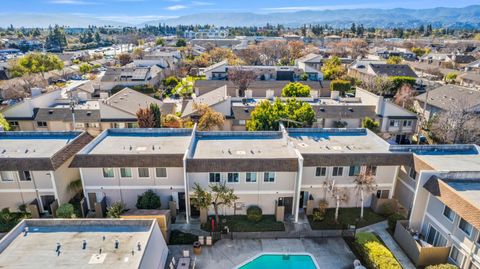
pixel 281 261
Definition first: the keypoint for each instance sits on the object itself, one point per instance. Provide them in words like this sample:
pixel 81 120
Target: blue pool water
pixel 279 261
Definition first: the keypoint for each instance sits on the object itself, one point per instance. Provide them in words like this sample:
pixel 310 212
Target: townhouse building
pixel 219 71
pixel 53 111
pixel 444 187
pixel 331 110
pixel 34 166
pixel 289 166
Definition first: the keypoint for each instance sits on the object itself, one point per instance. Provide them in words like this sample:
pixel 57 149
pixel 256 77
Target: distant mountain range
pixel 466 17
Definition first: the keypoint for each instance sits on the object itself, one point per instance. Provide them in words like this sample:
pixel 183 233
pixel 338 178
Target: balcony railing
pixel 420 255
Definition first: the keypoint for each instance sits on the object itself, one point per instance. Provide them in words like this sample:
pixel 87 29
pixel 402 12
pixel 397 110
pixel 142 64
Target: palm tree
pixel 364 182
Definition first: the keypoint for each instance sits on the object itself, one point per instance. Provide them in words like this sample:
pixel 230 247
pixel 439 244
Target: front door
pixel 194 212
pixel 181 201
pixel 302 198
pixel 46 201
pixel 92 199
pixel 288 203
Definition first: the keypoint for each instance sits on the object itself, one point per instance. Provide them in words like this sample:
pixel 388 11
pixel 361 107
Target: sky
pixel 137 11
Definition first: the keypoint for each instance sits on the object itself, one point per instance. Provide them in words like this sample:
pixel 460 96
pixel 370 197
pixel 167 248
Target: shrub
pixel 148 200
pixel 318 215
pixel 374 252
pixel 304 77
pixel 380 256
pixel 115 210
pixel 399 81
pixel 66 211
pixel 296 89
pixel 340 85
pixel 364 237
pixel 392 220
pixel 442 266
pixel 254 213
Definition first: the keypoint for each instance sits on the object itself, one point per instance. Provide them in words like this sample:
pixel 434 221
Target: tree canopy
pixel 4 123
pixel 296 89
pixel 370 124
pixel 333 68
pixel 34 63
pixel 267 115
pixel 394 60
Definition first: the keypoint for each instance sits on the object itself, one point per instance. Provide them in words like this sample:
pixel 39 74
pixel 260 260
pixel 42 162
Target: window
pixel 143 172
pixel 161 172
pixel 269 177
pixel 132 125
pixel 108 172
pixel 383 194
pixel 6 176
pixel 41 124
pixel 448 212
pixel 435 238
pixel 241 122
pixel 79 125
pixel 354 171
pixel 337 171
pixel 92 125
pixel 394 123
pixel 456 256
pixel 214 177
pixel 251 177
pixel 13 123
pixel 412 173
pixel 407 123
pixel 320 171
pixel 26 176
pixel 118 125
pixel 372 170
pixel 465 227
pixel 232 177
pixel 126 172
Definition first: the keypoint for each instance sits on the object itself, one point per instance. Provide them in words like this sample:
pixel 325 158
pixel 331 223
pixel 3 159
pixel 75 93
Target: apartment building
pixel 35 166
pixel 131 76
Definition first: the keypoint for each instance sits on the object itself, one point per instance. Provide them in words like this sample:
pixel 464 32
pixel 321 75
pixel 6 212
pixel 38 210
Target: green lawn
pixel 180 238
pixel 239 223
pixel 346 216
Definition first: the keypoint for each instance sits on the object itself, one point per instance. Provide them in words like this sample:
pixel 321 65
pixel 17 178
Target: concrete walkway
pixel 301 229
pixel 381 230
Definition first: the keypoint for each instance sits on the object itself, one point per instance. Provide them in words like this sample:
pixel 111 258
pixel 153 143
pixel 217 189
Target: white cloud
pixel 176 7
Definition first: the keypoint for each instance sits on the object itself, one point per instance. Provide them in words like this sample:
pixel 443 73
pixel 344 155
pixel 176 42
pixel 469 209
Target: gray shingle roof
pixel 393 70
pixel 65 114
pixel 444 96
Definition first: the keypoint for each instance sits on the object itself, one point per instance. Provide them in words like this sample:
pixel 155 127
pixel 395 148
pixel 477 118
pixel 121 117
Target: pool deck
pixel 330 253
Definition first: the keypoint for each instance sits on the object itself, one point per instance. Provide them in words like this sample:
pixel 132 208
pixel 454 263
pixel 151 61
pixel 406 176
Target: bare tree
pixel 250 55
pixel 459 124
pixel 145 118
pixel 358 48
pixel 338 194
pixel 209 118
pixel 365 183
pixel 273 51
pixel 241 78
pixel 379 85
pixel 21 87
pixel 404 96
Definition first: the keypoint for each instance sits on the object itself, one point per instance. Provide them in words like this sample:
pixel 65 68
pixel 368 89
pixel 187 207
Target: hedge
pixel 340 85
pixel 392 220
pixel 375 253
pixel 442 266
